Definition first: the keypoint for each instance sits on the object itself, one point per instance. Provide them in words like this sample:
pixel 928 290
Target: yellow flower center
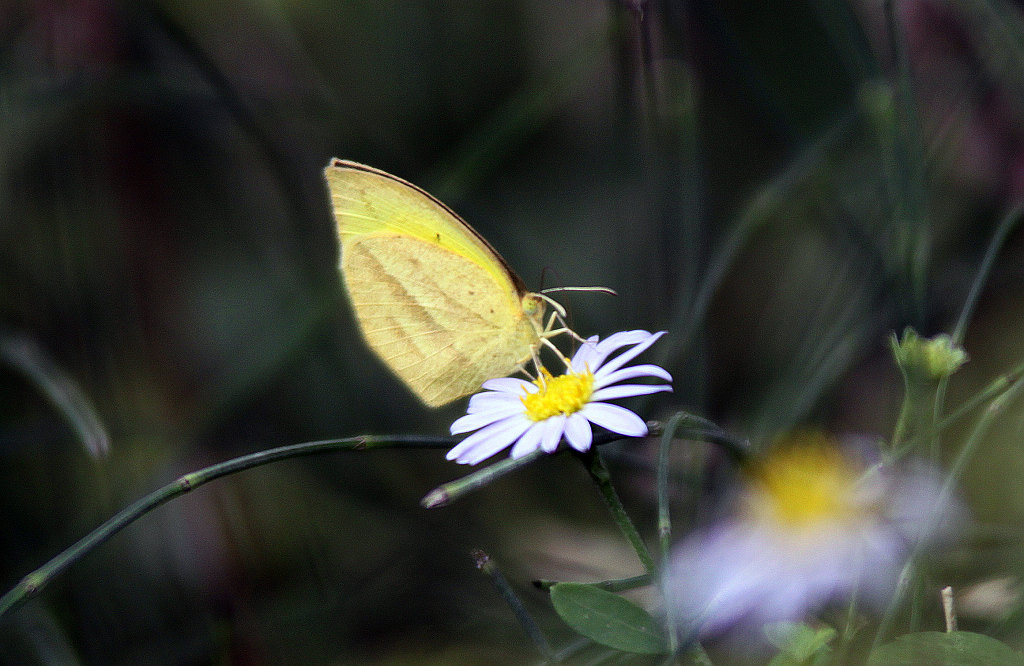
pixel 563 394
pixel 803 482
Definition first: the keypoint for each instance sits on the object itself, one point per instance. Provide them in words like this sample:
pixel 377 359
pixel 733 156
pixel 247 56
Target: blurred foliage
pixel 778 184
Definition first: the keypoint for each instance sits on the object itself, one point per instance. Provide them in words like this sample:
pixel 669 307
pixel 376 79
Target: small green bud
pixel 927 359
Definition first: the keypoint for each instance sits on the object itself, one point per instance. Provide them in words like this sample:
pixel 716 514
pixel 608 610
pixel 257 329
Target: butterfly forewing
pixel 432 298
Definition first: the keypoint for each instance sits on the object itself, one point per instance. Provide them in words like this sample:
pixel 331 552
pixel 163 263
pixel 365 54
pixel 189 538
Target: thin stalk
pixel 665 519
pixel 1006 225
pixel 943 501
pixel 908 172
pixel 600 475
pixel 902 420
pixel 530 626
pixel 447 493
pixel 999 385
pixel 33 583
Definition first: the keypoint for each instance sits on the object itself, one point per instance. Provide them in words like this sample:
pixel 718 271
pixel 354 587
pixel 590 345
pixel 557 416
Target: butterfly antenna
pixel 600 290
pixel 558 307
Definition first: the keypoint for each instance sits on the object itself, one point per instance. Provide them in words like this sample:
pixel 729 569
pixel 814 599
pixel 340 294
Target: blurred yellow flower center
pixel 563 394
pixel 803 483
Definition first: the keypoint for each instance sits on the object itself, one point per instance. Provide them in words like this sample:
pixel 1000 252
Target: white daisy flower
pixel 536 415
pixel 812 525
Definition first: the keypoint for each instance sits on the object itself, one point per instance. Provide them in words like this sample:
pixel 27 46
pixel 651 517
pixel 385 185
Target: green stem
pixel 1006 225
pixel 916 420
pixel 664 517
pixel 996 387
pixel 704 430
pixel 530 626
pixel 902 420
pixel 599 473
pixel 33 583
pixel 447 493
pixel 944 500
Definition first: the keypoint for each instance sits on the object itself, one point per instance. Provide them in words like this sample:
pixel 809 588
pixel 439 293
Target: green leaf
pixel 799 643
pixel 607 618
pixel 934 648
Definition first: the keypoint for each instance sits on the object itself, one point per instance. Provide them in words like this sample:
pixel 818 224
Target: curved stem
pixel 34 582
pixel 599 473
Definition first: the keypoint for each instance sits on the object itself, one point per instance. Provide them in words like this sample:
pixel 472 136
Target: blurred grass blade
pixel 1006 225
pixel 519 117
pixel 24 354
pixel 689 317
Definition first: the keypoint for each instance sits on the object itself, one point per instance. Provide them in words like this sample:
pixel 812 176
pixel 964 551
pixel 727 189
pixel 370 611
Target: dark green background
pixel 166 241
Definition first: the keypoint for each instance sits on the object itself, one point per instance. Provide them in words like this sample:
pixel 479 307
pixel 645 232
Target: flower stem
pixel 995 388
pixel 33 583
pixel 599 473
pixel 664 517
pixel 945 498
pixel 486 565
pixel 447 493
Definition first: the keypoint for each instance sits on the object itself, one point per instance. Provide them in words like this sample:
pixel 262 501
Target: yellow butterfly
pixel 433 299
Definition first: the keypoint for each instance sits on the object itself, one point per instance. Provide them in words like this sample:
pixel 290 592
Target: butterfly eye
pixel 533 305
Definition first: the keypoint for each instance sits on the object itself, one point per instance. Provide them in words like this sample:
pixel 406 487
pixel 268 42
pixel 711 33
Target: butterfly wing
pixel 433 299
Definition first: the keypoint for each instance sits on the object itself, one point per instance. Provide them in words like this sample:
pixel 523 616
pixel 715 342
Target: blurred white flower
pixel 535 415
pixel 813 525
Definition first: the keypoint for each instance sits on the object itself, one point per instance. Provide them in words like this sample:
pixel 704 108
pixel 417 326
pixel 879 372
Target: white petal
pixel 623 338
pixel 591 356
pixel 480 419
pixel 626 391
pixel 491 431
pixel 486 442
pixel 615 418
pixel 718 578
pixel 492 400
pixel 529 442
pixel 582 358
pixel 578 432
pixel 553 429
pixel 643 370
pixel 610 344
pixel 509 385
pixel 630 354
